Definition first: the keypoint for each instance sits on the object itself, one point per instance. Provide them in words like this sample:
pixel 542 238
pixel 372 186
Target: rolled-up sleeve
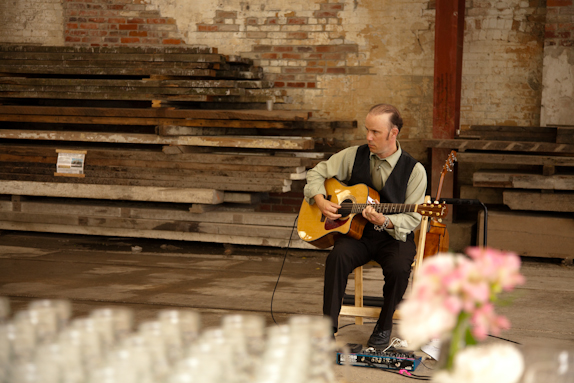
pixel 339 165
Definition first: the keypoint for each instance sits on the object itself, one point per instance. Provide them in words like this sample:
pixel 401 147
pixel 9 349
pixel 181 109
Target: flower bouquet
pixel 453 300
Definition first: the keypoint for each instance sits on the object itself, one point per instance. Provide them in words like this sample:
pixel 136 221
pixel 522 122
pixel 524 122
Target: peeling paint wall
pixel 39 22
pixel 338 58
pixel 558 74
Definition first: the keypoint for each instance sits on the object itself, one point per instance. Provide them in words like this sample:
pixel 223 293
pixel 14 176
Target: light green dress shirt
pixel 340 166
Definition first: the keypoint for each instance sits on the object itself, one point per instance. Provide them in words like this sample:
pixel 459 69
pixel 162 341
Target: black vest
pixel 395 189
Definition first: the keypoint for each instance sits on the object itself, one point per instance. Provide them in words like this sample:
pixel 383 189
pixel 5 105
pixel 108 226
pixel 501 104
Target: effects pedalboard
pixel 391 359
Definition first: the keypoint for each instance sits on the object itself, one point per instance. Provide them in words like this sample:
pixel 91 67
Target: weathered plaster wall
pixel 38 22
pixel 502 62
pixel 558 74
pixel 340 57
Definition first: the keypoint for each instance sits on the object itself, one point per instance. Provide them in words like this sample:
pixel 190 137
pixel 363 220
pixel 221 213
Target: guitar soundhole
pixel 345 209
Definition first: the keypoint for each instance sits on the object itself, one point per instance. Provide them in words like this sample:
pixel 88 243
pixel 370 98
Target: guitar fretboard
pixel 385 208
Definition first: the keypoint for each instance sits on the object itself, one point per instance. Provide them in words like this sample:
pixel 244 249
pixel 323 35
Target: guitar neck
pixel 385 208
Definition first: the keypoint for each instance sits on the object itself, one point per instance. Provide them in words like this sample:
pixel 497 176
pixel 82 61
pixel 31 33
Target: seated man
pixel 388 240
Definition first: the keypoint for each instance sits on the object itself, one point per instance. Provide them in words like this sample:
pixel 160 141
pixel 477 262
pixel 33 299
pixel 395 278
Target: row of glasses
pixel 42 344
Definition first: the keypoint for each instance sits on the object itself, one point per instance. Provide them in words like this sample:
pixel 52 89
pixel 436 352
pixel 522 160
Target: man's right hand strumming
pixel 328 208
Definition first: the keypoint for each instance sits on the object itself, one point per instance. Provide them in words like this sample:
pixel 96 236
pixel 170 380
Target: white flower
pixel 501 363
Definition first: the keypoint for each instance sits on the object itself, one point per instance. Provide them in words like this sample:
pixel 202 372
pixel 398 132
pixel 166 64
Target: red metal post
pixel 449 36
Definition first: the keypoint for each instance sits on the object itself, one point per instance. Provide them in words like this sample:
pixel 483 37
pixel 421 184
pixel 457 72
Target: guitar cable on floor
pixel 283 264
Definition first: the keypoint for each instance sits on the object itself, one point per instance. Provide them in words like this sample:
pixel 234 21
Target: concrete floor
pixel 217 280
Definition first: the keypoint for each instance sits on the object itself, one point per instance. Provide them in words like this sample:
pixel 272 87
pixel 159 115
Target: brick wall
pixel 117 22
pixel 558 68
pixel 31 22
pixel 502 63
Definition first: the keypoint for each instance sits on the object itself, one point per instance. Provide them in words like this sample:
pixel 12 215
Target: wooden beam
pixel 517 180
pixel 263 115
pixel 287 143
pixel 556 202
pixel 462 145
pixel 114 192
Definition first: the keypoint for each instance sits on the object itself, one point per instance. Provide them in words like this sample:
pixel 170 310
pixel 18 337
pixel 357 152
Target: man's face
pixel 381 138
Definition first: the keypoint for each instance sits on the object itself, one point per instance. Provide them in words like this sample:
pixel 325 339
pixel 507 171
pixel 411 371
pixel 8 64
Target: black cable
pixel 283 264
pixel 508 340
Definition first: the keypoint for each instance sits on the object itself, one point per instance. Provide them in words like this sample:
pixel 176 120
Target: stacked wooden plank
pixel 177 143
pixel 528 172
pixel 191 74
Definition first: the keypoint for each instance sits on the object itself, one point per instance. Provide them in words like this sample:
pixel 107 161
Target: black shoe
pixel 379 338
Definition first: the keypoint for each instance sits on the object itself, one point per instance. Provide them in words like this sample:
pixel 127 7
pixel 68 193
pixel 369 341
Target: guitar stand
pixel 466 201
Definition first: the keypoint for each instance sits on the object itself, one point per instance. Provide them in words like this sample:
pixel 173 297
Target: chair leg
pixel 359 292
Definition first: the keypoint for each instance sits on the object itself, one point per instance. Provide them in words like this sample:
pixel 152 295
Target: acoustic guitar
pixel 313 227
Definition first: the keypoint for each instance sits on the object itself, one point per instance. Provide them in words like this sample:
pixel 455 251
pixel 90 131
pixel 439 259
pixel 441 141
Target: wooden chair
pixel 359 311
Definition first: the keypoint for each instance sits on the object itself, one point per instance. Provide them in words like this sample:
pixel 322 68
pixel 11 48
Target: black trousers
pixel 395 258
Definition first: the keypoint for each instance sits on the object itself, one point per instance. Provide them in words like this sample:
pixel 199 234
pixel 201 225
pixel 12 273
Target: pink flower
pixel 484 321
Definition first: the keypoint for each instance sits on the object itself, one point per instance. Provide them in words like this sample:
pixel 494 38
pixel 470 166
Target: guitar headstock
pixel 434 210
pixel 449 163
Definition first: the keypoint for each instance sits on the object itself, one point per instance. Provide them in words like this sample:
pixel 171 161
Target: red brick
pixel 284 77
pixel 279 84
pixel 171 41
pixel 332 7
pixel 97 19
pixel 91 39
pixel 72 26
pixel 111 39
pixel 294 56
pixel 283 49
pixel 324 14
pixel 94 6
pixel 297 20
pixel 251 21
pixel 316 63
pixel 150 41
pixel 70 39
pixel 336 71
pixel 89 26
pixel 566 27
pixel 136 20
pixel 296 84
pixel 262 48
pixel 558 3
pixel 564 35
pixel 116 20
pixel 315 56
pixel 155 21
pixel 206 28
pixel 286 209
pixel 311 85
pixel 77 32
pixel 138 33
pixel 270 56
pixel 129 40
pixel 305 49
pixel 567 43
pixel 272 20
pixel 128 27
pixel 264 207
pixel 297 35
pixel 550 27
pixel 98 33
pixel 314 70
pixel 88 13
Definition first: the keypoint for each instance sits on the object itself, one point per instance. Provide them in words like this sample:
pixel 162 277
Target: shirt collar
pixel 393 158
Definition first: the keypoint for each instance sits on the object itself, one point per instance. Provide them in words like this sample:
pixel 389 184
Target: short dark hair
pixel 395 118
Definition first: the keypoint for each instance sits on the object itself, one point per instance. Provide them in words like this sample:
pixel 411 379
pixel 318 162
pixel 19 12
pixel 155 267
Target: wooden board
pixel 246 185
pixel 515 159
pixel 158 234
pixel 522 200
pixel 462 145
pixel 114 192
pixel 491 196
pixel 550 236
pixel 290 143
pixel 518 180
pixel 509 133
pixel 263 115
pixel 232 158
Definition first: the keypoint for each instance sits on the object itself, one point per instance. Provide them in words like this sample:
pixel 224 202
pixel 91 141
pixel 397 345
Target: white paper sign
pixel 70 163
